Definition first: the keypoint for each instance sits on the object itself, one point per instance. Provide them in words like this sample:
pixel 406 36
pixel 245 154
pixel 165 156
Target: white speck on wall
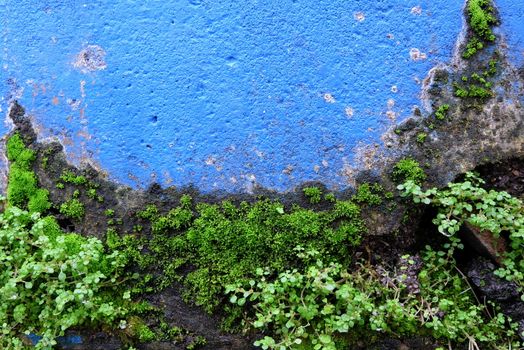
pixel 417 10
pixel 329 98
pixel 391 103
pixel 417 55
pixel 359 16
pixel 349 111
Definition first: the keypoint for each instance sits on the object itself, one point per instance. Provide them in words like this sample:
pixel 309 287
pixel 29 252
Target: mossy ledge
pixel 190 248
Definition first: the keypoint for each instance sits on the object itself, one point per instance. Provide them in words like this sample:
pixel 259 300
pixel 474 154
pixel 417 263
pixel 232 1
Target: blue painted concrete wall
pixel 225 94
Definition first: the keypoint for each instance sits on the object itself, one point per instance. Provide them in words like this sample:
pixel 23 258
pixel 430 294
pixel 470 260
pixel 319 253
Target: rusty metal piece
pixel 485 242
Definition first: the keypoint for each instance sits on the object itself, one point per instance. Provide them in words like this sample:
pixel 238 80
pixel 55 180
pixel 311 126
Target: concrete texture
pixel 226 95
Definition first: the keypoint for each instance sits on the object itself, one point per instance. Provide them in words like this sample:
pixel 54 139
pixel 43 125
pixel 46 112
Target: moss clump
pixel 408 169
pixel 73 209
pixel 369 194
pixel 421 137
pixel 480 18
pixel 473 91
pixel 442 112
pixel 22 190
pixel 224 243
pixel 69 177
pixel 314 194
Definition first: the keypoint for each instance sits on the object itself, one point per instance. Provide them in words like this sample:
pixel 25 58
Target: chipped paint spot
pixel 391 115
pixel 417 10
pixel 329 98
pixel 90 59
pixel 359 16
pixel 417 55
pixel 349 111
pixel 391 103
pixel 394 89
pixel 55 101
pixel 288 170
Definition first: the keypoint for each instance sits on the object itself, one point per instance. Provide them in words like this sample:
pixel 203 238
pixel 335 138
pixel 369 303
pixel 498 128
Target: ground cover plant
pixel 284 275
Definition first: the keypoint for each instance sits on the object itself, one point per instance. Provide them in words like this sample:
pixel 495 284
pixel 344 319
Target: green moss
pixel 442 112
pixel 22 190
pixel 69 177
pixel 330 197
pixel 472 47
pixel 369 194
pixel 473 91
pixel 73 209
pixel 91 193
pixel 313 193
pixel 109 213
pixel 225 243
pixel 481 18
pixel 421 137
pixel 408 169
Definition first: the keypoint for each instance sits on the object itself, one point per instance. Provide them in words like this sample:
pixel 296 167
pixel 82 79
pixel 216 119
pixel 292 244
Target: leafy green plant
pixel 325 306
pixel 494 211
pixel 52 281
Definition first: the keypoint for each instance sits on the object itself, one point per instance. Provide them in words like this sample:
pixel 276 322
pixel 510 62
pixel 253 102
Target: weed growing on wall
pixel 50 280
pixel 225 243
pixel 493 211
pixel 325 306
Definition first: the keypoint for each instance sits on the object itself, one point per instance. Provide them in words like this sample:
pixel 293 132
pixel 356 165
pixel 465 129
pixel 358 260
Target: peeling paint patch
pixel 91 58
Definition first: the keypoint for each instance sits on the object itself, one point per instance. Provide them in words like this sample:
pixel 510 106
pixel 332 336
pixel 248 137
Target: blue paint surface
pixel 65 342
pixel 222 94
pixel 512 27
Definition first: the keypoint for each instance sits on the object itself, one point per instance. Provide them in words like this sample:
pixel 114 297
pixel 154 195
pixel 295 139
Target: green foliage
pixel 491 210
pixel 51 281
pixel 480 19
pixel 442 112
pixel 421 137
pixel 408 169
pixel 22 187
pixel 225 243
pixel 472 91
pixel 69 177
pixel 73 209
pixel 369 194
pixel 324 305
pixel 472 47
pixel 313 193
